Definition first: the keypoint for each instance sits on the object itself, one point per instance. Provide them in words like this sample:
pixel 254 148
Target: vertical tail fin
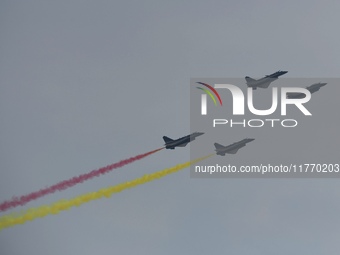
pixel 167 139
pixel 249 80
pixel 218 146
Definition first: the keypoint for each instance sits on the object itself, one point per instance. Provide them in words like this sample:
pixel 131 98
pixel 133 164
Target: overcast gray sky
pixel 87 83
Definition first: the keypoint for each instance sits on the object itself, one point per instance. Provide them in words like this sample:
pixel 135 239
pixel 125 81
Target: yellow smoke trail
pixel 61 205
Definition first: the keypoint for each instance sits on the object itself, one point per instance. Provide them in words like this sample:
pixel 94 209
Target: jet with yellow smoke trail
pixel 232 148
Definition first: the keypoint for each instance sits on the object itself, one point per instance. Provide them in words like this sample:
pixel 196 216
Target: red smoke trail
pixel 16 201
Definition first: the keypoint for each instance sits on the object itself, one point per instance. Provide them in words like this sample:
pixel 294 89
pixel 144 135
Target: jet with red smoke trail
pixel 180 142
pixel 62 185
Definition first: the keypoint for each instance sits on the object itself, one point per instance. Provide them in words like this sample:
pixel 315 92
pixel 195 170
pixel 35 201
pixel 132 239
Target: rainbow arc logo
pixel 208 92
pixel 204 97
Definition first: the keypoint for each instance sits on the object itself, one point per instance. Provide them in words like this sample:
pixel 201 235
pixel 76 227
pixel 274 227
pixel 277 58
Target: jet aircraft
pixel 312 88
pixel 180 142
pixel 265 81
pixel 232 148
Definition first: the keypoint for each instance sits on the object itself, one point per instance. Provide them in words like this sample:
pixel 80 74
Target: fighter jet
pixel 180 142
pixel 312 88
pixel 265 81
pixel 232 148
